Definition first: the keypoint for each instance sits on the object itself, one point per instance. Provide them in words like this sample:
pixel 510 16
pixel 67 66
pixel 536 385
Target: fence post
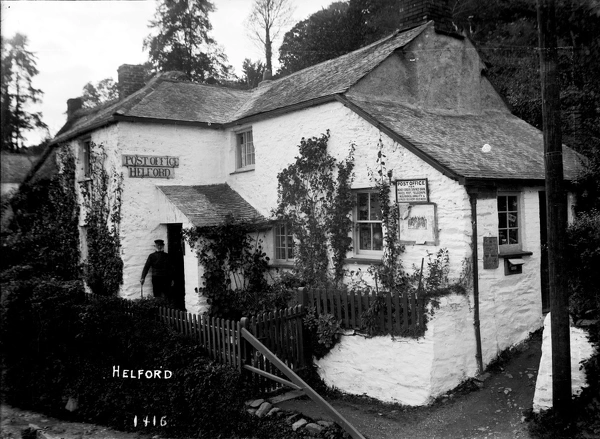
pixel 302 297
pixel 243 344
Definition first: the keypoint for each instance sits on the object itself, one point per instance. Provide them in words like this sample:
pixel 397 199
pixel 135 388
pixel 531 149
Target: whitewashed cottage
pixel 469 174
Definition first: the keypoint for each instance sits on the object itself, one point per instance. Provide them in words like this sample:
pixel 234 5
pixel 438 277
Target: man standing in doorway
pixel 161 271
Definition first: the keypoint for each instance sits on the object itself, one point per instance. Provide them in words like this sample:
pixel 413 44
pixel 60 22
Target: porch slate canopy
pixel 209 205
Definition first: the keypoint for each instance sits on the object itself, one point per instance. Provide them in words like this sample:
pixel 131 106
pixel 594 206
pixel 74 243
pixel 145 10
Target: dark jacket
pixel 159 261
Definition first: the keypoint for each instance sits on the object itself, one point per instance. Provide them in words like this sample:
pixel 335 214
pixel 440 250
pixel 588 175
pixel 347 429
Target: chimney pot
pixel 131 79
pixel 415 13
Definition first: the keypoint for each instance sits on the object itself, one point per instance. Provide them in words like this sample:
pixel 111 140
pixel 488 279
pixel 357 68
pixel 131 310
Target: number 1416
pixel 147 421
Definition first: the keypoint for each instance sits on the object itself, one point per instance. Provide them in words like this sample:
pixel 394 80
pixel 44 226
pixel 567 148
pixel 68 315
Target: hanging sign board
pixel 150 166
pixel 490 252
pixel 417 224
pixel 412 191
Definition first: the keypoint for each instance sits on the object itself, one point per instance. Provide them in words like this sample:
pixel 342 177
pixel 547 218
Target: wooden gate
pixel 281 332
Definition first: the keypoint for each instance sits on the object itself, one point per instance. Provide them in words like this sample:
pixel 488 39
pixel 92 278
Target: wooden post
pixel 242 345
pixel 556 207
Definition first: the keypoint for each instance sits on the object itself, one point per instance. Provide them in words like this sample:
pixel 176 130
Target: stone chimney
pixel 73 105
pixel 131 79
pixel 414 13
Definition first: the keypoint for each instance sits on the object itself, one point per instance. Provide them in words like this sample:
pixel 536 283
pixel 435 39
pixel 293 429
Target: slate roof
pixel 15 167
pixel 451 143
pixel 325 79
pixel 166 97
pixel 455 142
pixel 209 205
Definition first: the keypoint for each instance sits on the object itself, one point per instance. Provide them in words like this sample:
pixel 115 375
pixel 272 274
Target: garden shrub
pixel 68 345
pixel 323 332
pixel 42 232
pixel 583 254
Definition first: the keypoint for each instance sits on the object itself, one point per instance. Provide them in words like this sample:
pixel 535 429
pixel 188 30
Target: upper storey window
pixel 86 158
pixel 245 150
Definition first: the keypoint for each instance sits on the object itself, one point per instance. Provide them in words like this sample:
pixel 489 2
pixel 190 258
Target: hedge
pixel 58 345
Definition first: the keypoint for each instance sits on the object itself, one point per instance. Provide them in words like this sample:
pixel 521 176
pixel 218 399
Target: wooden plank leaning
pixel 295 379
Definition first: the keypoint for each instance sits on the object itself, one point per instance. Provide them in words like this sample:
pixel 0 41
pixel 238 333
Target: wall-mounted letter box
pixel 513 266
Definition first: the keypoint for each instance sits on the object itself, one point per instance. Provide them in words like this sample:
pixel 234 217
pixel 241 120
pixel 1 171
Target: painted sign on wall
pixel 150 166
pixel 490 252
pixel 412 191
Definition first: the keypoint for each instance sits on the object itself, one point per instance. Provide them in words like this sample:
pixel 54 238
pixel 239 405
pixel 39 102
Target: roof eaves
pixel 106 118
pixel 401 140
pixel 124 118
pixel 82 131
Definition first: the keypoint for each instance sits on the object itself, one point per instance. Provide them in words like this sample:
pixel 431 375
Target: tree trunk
pixel 268 51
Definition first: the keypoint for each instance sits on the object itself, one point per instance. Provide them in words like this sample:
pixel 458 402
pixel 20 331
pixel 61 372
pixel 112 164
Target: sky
pixel 77 42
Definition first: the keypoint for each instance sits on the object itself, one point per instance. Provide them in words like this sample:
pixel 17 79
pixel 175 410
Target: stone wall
pixel 405 370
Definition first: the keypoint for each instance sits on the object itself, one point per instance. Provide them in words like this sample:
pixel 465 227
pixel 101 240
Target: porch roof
pixel 210 205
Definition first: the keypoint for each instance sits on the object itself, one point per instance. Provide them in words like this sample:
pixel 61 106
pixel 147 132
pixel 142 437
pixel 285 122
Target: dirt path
pixel 495 411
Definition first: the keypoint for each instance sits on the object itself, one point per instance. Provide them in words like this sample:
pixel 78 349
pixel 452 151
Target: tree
pixel 17 91
pixel 320 37
pixel 182 41
pixel 253 73
pixel 265 23
pixel 338 29
pixel 100 92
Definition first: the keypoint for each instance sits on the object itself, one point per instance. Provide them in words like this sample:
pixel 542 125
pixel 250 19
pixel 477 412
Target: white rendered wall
pixel 405 370
pixel 510 306
pixel 200 153
pixel 276 145
pixel 145 211
pixel 581 349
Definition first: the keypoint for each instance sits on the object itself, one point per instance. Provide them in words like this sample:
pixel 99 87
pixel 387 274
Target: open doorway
pixel 176 250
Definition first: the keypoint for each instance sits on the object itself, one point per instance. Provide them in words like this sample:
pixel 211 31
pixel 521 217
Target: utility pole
pixel 556 211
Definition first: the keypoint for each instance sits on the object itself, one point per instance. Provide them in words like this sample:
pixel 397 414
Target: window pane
pixel 364 236
pixel 502 220
pixel 363 206
pixel 250 153
pixel 512 203
pixel 501 204
pixel 512 220
pixel 374 208
pixel 513 236
pixel 377 237
pixel 503 237
pixel 290 244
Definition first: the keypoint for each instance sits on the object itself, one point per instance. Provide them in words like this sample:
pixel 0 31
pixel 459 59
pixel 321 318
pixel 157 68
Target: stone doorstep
pixel 286 396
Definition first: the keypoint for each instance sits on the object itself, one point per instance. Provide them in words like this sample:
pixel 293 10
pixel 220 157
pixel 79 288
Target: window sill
pixel 363 261
pixel 513 254
pixel 282 264
pixel 242 171
pixel 84 180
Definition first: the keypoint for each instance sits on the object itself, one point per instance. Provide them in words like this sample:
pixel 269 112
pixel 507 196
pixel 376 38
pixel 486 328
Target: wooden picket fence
pixel 401 314
pixel 281 331
pixel 219 337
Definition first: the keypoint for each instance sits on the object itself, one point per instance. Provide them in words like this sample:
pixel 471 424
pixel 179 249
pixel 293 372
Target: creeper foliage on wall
pixel 103 268
pixel 316 200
